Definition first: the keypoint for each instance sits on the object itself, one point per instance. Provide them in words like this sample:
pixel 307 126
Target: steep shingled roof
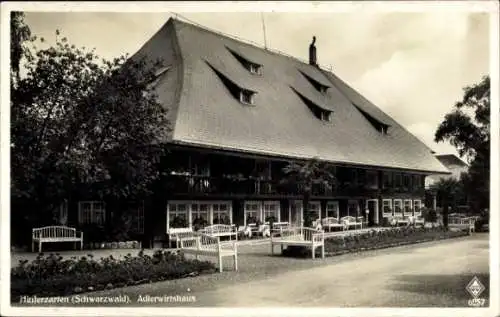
pixel 204 113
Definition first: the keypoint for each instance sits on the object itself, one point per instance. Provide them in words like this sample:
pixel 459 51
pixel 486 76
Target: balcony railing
pixel 252 186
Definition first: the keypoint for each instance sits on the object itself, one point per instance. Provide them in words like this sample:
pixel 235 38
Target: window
pixel 408 210
pixel 221 214
pixel 255 69
pixel 315 208
pixel 91 212
pixel 178 215
pixel 325 116
pixel 352 208
pixel 398 207
pixel 271 209
pixel 387 180
pixel 246 96
pixel 372 179
pixel 252 212
pixel 397 180
pixel 406 181
pixel 387 207
pixel 200 211
pixel 332 209
pixel 417 207
pixel 418 182
pixel 353 179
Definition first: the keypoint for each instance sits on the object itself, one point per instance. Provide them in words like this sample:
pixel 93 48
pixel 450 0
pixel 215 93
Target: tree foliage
pixel 19 34
pixel 82 124
pixel 449 191
pixel 304 175
pixel 467 127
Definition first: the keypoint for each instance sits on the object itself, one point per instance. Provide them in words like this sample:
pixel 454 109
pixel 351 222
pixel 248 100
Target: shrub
pixel 52 276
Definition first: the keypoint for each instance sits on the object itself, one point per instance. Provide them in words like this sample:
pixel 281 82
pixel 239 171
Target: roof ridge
pixel 265 48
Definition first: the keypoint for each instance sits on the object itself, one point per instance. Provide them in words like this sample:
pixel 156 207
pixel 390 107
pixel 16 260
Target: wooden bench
pixel 351 221
pixel 55 234
pixel 201 244
pixel 175 234
pixel 462 223
pixel 400 220
pixel 221 230
pixel 299 236
pixel 332 222
pixel 278 225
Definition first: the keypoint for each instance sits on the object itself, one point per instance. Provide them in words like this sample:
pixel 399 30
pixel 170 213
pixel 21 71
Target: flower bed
pixel 52 276
pixel 373 239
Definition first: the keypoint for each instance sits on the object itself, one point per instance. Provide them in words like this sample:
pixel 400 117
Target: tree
pixel 449 192
pixel 304 175
pixel 19 34
pixel 82 124
pixel 467 128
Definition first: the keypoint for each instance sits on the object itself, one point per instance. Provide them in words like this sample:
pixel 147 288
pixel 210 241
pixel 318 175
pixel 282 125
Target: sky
pixel 413 66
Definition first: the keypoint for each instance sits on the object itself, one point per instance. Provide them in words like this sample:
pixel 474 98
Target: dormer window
pixel 381 127
pixel 325 116
pixel 252 67
pixel 319 112
pixel 243 95
pixel 246 97
pixel 255 69
pixel 315 83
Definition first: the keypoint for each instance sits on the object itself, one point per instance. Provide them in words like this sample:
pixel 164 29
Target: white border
pixel 406 6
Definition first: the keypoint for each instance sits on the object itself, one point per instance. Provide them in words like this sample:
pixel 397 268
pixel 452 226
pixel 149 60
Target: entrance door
pixel 372 207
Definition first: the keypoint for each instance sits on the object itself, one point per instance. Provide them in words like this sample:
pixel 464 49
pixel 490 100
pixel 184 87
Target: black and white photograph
pixel 250 158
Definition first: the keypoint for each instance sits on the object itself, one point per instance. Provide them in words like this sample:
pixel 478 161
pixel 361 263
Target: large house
pixel 239 113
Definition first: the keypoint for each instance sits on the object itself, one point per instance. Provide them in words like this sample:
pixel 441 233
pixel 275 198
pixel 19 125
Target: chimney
pixel 312 53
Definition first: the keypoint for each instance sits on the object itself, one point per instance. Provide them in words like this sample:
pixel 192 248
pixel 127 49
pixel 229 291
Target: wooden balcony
pixel 206 185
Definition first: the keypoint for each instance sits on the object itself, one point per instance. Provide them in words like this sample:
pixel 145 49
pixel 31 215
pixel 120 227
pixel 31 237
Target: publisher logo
pixel 475 289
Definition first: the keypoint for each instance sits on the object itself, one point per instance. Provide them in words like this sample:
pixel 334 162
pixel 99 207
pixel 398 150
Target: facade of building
pixel 240 113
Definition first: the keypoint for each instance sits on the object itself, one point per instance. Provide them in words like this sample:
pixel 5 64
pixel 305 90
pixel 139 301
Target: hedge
pixel 52 276
pixel 374 239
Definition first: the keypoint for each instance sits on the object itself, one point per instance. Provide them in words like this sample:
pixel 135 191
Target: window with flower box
pixel 252 212
pixel 91 212
pixel 200 215
pixel 387 207
pixel 178 215
pixel 417 207
pixel 221 213
pixel 398 207
pixel 271 209
pixel 332 209
pixel 408 211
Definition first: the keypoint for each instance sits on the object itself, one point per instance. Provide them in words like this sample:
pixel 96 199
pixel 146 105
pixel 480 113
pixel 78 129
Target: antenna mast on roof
pixel 264 29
